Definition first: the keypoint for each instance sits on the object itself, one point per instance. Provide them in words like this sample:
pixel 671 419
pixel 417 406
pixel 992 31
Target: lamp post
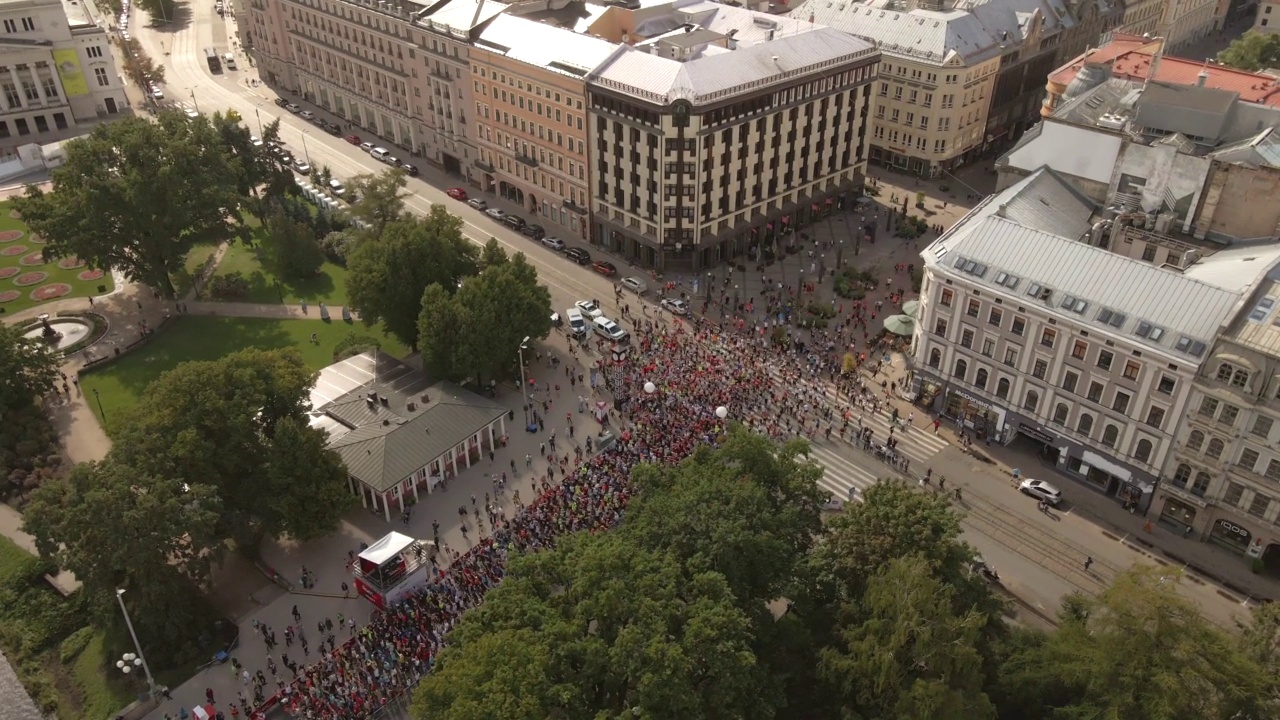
pixel 101 412
pixel 141 659
pixel 194 104
pixel 524 387
pixel 128 662
pixel 307 155
pixel 258 114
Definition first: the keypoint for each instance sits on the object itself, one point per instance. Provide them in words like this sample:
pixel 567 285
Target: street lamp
pixel 128 662
pixel 258 114
pixel 650 388
pixel 524 387
pixel 308 157
pixel 101 412
pixel 194 104
pixel 141 659
pixel 722 412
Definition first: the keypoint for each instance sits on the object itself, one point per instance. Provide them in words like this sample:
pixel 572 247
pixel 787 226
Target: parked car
pixel 577 325
pixel 515 222
pixel 456 193
pixel 1041 490
pixel 301 166
pixel 604 268
pixel 578 255
pixel 282 102
pixel 534 231
pixel 477 203
pixel 255 141
pixel 410 170
pixel 337 188
pixel 353 139
pixel 634 284
pixel 156 92
pixel 554 243
pixel 675 305
pixel 306 115
pixel 495 213
pixel 285 158
pixel 589 309
pixel 366 146
pixel 293 108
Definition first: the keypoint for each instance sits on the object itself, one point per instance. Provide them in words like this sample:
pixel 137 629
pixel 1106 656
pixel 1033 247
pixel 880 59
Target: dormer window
pixel 1233 376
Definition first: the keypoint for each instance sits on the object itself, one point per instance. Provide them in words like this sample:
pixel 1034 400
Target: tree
pixel 28 370
pixel 509 303
pixel 117 527
pixel 291 249
pixel 1253 51
pixel 137 195
pixel 379 199
pixel 441 329
pixel 492 254
pixel 389 271
pixel 226 423
pixel 1140 651
pixel 906 653
pixel 138 65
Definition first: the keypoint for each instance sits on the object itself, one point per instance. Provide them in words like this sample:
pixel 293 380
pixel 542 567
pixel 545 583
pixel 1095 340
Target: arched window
pixel 1060 413
pixel 1110 434
pixel 1215 448
pixel 962 368
pixel 1195 440
pixel 1002 388
pixel 1240 378
pixel 980 378
pixel 1236 377
pixel 1033 399
pixel 1182 475
pixel 1085 426
pixel 1201 485
pixel 1143 452
pixel 1224 372
pixel 935 358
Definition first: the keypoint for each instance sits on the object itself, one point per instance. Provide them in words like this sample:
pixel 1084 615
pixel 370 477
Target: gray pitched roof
pixel 397 421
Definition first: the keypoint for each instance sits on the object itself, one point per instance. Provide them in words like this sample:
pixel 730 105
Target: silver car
pixel 1041 490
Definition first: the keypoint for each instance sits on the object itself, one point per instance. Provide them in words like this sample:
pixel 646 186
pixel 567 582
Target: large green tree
pixel 1253 51
pixel 28 370
pixel 1140 651
pixel 291 249
pixel 378 200
pixel 239 424
pixel 510 304
pixel 136 195
pixel 389 272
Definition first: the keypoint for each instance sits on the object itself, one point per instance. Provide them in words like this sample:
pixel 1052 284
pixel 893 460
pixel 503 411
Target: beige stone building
pixel 721 131
pixel 1142 17
pixel 530 118
pixel 1267 19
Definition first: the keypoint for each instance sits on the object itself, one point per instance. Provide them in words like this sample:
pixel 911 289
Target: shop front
pixel 1179 515
pixel 985 420
pixel 1230 535
pixel 1109 477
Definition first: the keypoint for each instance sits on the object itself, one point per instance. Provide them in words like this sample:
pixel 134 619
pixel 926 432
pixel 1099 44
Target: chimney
pixel 1202 78
pixel 1000 211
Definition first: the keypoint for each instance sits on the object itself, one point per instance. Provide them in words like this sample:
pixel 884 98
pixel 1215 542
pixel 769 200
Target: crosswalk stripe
pixel 841 476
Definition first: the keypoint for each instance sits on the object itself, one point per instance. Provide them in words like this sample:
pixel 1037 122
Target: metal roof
pixel 396 420
pixel 1200 112
pixel 545 46
pixel 459 17
pixel 1023 254
pixel 1258 325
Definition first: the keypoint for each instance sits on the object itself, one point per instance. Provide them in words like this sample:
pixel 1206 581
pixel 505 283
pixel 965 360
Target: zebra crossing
pixel 918 444
pixel 842 477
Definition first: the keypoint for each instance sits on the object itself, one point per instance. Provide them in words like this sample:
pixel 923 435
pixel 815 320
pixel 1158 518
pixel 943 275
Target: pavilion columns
pixel 492 445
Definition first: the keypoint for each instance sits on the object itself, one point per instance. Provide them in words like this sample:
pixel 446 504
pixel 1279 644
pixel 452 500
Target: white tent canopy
pixel 391 545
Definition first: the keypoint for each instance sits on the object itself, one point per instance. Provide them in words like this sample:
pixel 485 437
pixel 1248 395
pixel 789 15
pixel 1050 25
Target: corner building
pixel 714 129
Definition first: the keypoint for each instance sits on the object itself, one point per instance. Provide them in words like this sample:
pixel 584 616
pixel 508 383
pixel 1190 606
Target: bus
pixel 211 55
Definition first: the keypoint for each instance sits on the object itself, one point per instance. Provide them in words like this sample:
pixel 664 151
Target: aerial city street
pixel 652 358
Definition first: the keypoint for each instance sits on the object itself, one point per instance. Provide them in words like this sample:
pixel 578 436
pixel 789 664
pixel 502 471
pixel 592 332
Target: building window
pixel 1060 413
pixel 1032 400
pixel 1201 484
pixel 1166 385
pixel 962 368
pixel 966 338
pixel 974 308
pixel 1002 388
pixel 1143 452
pixel 1235 491
pixel 1262 426
pixel 1110 434
pixel 1120 403
pixel 1069 382
pixel 1181 475
pixel 995 317
pixel 1095 392
pixel 1018 326
pixel 1039 369
pixel 1104 359
pixel 1273 470
pixel 948 297
pixel 1259 506
pixel 940 327
pixel 1155 416
pixel 1085 425
pixel 935 358
pixel 1229 414
pixel 1195 440
pixel 1131 369
pixel 1011 356
pixel 1208 407
pixel 980 379
pixel 93 51
pixel 1232 375
pixel 1214 450
pixel 1048 337
pixel 101 75
pixel 1079 349
pixel 988 347
pixel 1249 459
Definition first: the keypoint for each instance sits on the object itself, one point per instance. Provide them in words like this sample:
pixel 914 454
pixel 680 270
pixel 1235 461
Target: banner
pixel 68 62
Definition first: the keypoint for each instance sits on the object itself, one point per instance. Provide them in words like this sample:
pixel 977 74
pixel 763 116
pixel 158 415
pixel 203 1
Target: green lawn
pixel 196 259
pixel 329 286
pixel 120 384
pixel 102 693
pixel 15 297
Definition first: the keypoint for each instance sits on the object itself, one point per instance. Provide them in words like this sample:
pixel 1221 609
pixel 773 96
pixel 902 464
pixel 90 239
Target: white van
pixel 379 153
pixel 609 330
pixel 229 60
pixel 577 325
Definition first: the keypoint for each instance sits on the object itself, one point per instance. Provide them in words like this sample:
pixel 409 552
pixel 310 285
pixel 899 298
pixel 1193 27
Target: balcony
pixel 484 166
pixel 527 160
pixel 569 205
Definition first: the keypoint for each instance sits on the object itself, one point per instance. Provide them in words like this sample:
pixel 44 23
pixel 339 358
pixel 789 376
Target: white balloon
pixel 722 412
pixel 650 387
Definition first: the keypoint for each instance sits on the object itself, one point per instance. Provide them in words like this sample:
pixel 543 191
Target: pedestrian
pixel 297 616
pixel 1088 561
pixel 345 591
pixel 942 483
pixel 208 694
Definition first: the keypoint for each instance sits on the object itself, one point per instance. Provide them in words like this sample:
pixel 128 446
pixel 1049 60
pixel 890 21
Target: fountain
pixel 60 333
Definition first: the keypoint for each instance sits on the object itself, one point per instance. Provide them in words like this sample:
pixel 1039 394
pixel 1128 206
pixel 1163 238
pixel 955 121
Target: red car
pixel 604 268
pixel 456 193
pixel 353 139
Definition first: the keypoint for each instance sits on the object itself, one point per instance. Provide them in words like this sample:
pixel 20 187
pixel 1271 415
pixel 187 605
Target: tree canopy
pixel 378 200
pixel 390 271
pixel 505 299
pixel 28 369
pixel 137 195
pixel 1253 51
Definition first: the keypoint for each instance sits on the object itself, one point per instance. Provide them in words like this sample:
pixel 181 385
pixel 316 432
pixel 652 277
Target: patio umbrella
pixel 911 308
pixel 900 324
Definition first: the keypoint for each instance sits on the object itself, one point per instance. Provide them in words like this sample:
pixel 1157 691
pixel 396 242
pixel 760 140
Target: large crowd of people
pixel 771 384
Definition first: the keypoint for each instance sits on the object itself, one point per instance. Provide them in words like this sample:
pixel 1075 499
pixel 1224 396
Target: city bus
pixel 211 55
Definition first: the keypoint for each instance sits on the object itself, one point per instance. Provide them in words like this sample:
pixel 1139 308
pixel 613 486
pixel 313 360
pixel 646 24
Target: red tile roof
pixel 1130 58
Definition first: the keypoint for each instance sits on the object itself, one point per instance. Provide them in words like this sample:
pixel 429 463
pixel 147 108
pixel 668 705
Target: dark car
pixel 515 222
pixel 534 231
pixel 605 268
pixel 410 170
pixel 578 255
pixel 281 102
